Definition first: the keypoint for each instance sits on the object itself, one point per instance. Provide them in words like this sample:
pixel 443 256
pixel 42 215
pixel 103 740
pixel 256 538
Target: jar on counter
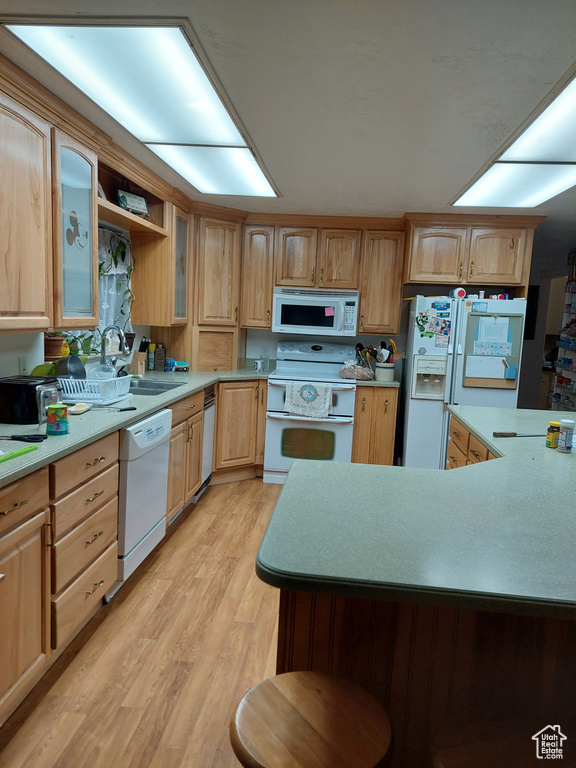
pixel 553 434
pixel 566 435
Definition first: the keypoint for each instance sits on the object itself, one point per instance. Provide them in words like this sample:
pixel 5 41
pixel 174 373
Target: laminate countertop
pixel 499 535
pixel 97 422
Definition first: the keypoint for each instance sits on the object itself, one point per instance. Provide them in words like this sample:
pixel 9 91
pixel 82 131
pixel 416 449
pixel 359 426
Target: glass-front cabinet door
pixel 75 234
pixel 181 267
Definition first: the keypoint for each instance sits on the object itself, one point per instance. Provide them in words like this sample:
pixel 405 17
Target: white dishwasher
pixel 144 454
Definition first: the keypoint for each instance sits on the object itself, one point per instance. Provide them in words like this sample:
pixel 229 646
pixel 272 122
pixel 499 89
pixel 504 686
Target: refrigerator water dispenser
pixel 429 377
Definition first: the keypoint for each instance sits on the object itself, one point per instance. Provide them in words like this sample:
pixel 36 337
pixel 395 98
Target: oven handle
pixel 337 388
pixel 288 417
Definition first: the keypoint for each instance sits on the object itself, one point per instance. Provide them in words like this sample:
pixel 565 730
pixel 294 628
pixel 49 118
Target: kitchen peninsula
pixel 451 596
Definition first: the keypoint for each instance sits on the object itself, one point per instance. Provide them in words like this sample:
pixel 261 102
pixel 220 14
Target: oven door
pixel 299 437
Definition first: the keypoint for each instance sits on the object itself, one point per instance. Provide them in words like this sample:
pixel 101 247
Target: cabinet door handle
pixel 95 586
pixel 268 316
pixel 461 268
pixel 361 322
pixel 471 269
pixel 98 460
pixel 236 314
pixel 363 403
pixel 313 272
pixel 257 392
pixel 386 406
pixel 475 454
pixel 95 496
pixel 2 576
pixel 94 537
pixel 262 395
pixel 322 275
pixel 14 507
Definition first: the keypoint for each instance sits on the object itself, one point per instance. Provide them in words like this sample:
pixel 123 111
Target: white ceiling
pixel 361 107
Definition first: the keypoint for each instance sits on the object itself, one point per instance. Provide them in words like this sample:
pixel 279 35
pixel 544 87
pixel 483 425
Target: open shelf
pixel 109 213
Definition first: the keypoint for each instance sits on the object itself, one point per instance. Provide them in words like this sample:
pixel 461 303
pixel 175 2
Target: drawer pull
pixel 94 537
pixel 14 507
pixel 456 434
pixel 2 576
pixel 99 460
pixel 95 586
pixel 95 496
pixel 190 407
pixel 475 454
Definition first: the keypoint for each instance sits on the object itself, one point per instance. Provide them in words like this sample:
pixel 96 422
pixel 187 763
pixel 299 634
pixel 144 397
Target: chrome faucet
pixel 123 348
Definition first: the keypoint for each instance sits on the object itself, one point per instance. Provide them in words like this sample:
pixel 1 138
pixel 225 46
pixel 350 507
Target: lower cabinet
pixel 24 607
pixel 463 447
pixel 84 522
pixel 374 425
pixel 185 474
pixel 240 424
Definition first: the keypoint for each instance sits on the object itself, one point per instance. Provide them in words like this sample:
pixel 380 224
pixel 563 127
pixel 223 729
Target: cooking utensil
pixel 26 438
pixel 112 408
pixel 514 434
pixel 20 452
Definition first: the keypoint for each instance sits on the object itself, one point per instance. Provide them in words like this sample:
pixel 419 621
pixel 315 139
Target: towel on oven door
pixel 307 399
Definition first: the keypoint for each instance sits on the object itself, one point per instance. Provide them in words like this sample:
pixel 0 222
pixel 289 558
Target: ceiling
pixel 361 107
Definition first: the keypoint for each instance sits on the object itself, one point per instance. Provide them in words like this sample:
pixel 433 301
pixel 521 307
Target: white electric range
pixel 308 373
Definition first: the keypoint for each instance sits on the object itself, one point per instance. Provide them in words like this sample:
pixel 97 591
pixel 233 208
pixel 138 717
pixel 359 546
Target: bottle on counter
pixel 552 434
pixel 151 356
pixel 566 435
pixel 160 358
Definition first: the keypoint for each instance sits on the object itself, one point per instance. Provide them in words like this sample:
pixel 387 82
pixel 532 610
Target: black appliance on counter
pixel 24 399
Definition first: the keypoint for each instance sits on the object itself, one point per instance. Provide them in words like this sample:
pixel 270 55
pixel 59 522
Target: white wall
pixel 13 346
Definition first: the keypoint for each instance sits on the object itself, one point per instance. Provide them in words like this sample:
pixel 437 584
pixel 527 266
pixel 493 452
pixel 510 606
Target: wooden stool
pixel 310 720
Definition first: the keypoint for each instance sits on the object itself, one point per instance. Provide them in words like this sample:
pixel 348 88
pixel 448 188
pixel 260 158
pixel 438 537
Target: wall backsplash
pixel 14 346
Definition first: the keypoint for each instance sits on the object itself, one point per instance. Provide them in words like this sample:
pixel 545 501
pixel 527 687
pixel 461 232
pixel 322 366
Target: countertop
pixel 97 422
pixel 499 535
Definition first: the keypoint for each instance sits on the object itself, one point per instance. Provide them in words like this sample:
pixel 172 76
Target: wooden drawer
pixel 82 502
pixel 476 450
pixel 71 609
pixel 455 457
pixel 459 434
pixel 76 469
pixel 187 407
pixel 83 544
pixel 22 498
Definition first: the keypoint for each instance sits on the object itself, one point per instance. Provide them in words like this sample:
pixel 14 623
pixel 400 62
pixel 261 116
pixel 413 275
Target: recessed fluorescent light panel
pixel 539 165
pixel 150 80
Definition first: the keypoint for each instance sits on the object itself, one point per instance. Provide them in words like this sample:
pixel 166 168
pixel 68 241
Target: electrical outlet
pixel 22 366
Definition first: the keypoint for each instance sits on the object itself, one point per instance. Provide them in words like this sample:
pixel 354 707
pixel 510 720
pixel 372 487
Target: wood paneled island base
pixel 438 668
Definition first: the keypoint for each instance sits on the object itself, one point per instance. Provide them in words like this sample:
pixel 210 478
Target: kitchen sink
pixel 143 387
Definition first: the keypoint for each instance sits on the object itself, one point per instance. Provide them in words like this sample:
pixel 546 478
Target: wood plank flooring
pixel 153 679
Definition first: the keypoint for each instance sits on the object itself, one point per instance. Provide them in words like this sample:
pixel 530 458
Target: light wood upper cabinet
pixel 374 425
pixel 236 424
pixel 161 277
pixel 339 258
pixel 381 282
pixel 497 256
pixel 75 229
pixel 437 254
pixel 257 277
pixel 25 219
pixel 295 255
pixel 310 258
pixel 218 272
pixel 470 250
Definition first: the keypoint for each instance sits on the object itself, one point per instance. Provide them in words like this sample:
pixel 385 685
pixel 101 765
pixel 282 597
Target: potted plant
pixel 53 341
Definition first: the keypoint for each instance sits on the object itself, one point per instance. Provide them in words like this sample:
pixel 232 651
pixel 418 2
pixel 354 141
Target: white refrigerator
pixel 459 352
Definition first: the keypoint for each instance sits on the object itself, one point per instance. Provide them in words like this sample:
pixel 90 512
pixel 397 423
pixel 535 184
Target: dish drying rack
pixel 95 391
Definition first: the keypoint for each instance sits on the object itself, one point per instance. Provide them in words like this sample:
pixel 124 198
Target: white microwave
pixel 315 313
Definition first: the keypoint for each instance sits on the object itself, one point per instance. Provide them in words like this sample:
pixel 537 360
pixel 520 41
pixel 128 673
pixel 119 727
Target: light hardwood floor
pixel 153 679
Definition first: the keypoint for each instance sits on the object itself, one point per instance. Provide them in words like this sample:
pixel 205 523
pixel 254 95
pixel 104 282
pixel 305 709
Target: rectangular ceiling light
pixel 538 165
pixel 151 82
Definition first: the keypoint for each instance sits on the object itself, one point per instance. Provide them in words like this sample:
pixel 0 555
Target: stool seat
pixel 310 720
